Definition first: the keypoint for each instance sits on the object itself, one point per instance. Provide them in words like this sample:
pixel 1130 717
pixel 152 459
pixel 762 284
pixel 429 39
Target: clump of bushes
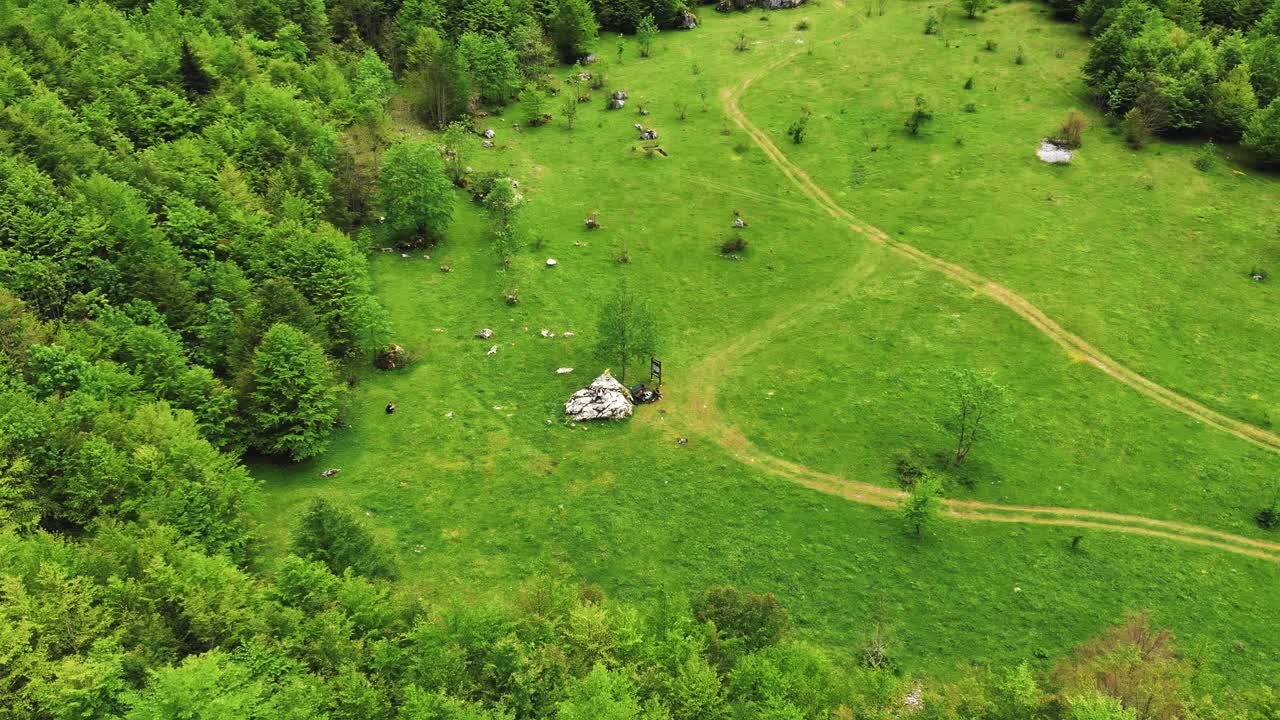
pixel 931 24
pixel 1268 518
pixel 803 24
pixel 1021 57
pixel 968 84
pixel 970 108
pixel 1071 134
pixel 992 46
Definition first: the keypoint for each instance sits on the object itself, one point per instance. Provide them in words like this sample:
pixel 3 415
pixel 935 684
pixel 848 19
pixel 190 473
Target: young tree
pixel 1233 104
pixel 194 78
pixel 799 127
pixel 627 329
pixel 569 107
pixel 435 79
pixel 333 537
pixel 974 8
pixel 1134 662
pixel 754 620
pixel 533 105
pixel 372 86
pixel 415 191
pixel 922 505
pixel 292 399
pixel 1094 705
pixel 919 116
pixel 456 139
pixel 646 31
pixel 573 27
pixel 977 400
pixel 491 67
pixel 1071 134
pixel 503 203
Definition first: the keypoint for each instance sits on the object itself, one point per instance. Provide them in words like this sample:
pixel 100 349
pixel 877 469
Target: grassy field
pixel 478 483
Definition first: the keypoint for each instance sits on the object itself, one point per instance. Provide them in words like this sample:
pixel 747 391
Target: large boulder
pixel 604 399
pixel 391 357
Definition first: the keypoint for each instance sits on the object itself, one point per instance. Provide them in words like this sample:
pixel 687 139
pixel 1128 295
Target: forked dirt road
pixel 702 414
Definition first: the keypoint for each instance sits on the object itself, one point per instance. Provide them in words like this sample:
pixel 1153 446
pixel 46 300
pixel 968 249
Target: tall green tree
pixel 292 397
pixel 627 329
pixel 646 31
pixel 333 537
pixel 573 28
pixel 1263 134
pixel 415 191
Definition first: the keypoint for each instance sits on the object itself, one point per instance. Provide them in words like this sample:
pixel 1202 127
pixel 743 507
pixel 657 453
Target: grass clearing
pixel 504 489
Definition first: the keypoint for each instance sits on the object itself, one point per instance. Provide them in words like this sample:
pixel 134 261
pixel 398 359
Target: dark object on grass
pixel 391 408
pixel 1075 542
pixel 593 221
pixel 330 473
pixel 1259 275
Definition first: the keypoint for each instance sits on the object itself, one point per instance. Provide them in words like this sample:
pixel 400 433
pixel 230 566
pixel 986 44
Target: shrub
pixel 734 245
pixel 992 46
pixel 1021 57
pixel 1072 131
pixel 803 24
pixel 798 128
pixel 931 24
pixel 756 621
pixel 919 116
pixel 909 469
pixel 334 538
pixel 1269 517
pixel 970 108
pixel 968 84
pixel 1135 129
pixel 1205 157
pixel 743 43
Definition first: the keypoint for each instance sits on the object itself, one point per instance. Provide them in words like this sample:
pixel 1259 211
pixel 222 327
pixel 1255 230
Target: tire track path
pixel 1075 345
pixel 701 409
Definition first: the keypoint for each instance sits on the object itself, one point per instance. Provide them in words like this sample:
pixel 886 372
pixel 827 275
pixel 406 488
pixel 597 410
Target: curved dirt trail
pixel 1075 345
pixel 701 411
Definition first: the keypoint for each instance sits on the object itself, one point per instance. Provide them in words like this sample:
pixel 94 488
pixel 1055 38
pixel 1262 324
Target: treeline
pixel 136 623
pixel 1186 67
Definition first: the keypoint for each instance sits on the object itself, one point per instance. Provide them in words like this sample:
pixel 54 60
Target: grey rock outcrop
pixel 604 399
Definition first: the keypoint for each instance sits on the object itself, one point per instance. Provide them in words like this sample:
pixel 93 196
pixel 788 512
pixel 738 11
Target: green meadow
pixel 478 482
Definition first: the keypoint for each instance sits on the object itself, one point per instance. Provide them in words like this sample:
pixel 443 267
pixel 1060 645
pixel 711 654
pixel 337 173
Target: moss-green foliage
pixel 292 399
pixel 415 192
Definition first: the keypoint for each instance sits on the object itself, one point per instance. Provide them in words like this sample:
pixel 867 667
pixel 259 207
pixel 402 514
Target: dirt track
pixel 700 410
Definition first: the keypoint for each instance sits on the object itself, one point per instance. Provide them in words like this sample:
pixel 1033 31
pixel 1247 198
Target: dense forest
pixel 184 221
pixel 1186 68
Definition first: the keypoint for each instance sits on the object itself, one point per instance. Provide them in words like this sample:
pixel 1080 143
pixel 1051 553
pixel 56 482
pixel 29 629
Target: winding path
pixel 702 412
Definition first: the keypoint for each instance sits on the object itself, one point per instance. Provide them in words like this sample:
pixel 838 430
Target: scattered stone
pixel 739 223
pixel 386 249
pixel 449 414
pixel 563 371
pixel 588 59
pixel 682 441
pixel 487 143
pixel 648 134
pixel 485 334
pixel 489 134
pixel 391 357
pixel 593 221
pixel 604 399
pixel 638 126
pixel 620 95
pixel 468 170
pixel 446 268
pixel 551 262
pixel 579 243
pixel 1054 154
pixel 616 104
pixel 546 333
pixel 644 111
pixel 687 21
pixel 493 350
pixel 330 472
pixel 404 255
pixel 568 333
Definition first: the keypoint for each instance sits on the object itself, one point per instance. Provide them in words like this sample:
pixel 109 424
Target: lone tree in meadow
pixel 503 204
pixel 919 116
pixel 627 331
pixel 974 8
pixel 416 192
pixel 921 506
pixel 573 28
pixel 976 400
pixel 292 399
